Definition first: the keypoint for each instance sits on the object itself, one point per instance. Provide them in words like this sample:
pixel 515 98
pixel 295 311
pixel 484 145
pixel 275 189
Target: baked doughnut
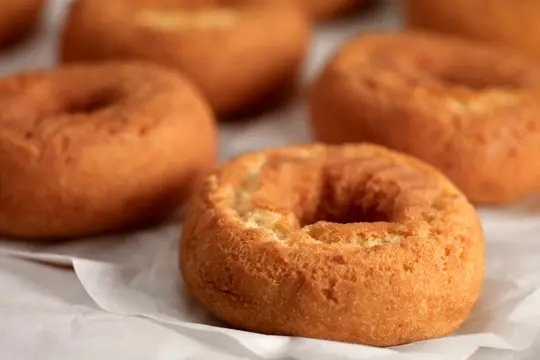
pixel 469 109
pixel 91 148
pixel 243 54
pixel 17 19
pixel 325 9
pixel 351 243
pixel 514 23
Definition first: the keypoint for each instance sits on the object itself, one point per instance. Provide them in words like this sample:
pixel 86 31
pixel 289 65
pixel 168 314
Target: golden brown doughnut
pixel 18 18
pixel 325 9
pixel 241 53
pixel 513 23
pixel 92 148
pixel 469 109
pixel 352 243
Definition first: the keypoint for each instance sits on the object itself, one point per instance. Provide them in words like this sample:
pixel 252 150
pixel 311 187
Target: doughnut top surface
pixel 186 15
pixel 94 102
pixel 201 19
pixel 472 77
pixel 352 195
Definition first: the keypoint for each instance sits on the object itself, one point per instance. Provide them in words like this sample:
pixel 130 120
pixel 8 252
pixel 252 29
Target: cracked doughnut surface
pixel 92 148
pixel 352 243
pixel 244 55
pixel 469 109
pixel 18 18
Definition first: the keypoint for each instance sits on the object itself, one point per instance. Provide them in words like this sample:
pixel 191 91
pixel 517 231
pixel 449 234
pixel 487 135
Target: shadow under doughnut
pixel 18 18
pixel 321 10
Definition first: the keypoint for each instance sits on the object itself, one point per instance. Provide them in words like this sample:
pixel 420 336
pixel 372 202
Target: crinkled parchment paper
pixel 124 298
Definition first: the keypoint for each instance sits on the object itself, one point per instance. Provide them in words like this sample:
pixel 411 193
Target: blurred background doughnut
pixel 513 23
pixel 91 148
pixel 245 55
pixel 469 109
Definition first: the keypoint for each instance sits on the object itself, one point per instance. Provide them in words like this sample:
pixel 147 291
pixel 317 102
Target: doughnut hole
pixel 93 102
pixel 478 78
pixel 93 99
pixel 367 201
pixel 476 72
pixel 346 200
pixel 345 192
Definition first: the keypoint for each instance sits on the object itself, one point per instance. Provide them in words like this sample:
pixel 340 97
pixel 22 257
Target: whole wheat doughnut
pixel 325 9
pixel 469 109
pixel 243 54
pixel 18 18
pixel 87 149
pixel 351 243
pixel 514 23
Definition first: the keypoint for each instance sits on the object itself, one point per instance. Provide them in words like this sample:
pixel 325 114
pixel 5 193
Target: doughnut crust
pixel 515 24
pixel 92 148
pixel 17 19
pixel 243 54
pixel 469 109
pixel 351 243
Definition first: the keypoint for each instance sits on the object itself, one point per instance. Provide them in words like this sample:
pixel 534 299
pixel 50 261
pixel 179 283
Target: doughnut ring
pixel 468 109
pixel 93 148
pixel 245 56
pixel 352 243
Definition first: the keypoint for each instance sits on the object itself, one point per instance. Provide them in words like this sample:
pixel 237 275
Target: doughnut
pixel 17 19
pixel 87 149
pixel 244 55
pixel 514 24
pixel 469 109
pixel 352 243
pixel 325 9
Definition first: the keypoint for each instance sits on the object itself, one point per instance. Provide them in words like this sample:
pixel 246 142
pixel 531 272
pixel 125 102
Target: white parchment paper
pixel 124 298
